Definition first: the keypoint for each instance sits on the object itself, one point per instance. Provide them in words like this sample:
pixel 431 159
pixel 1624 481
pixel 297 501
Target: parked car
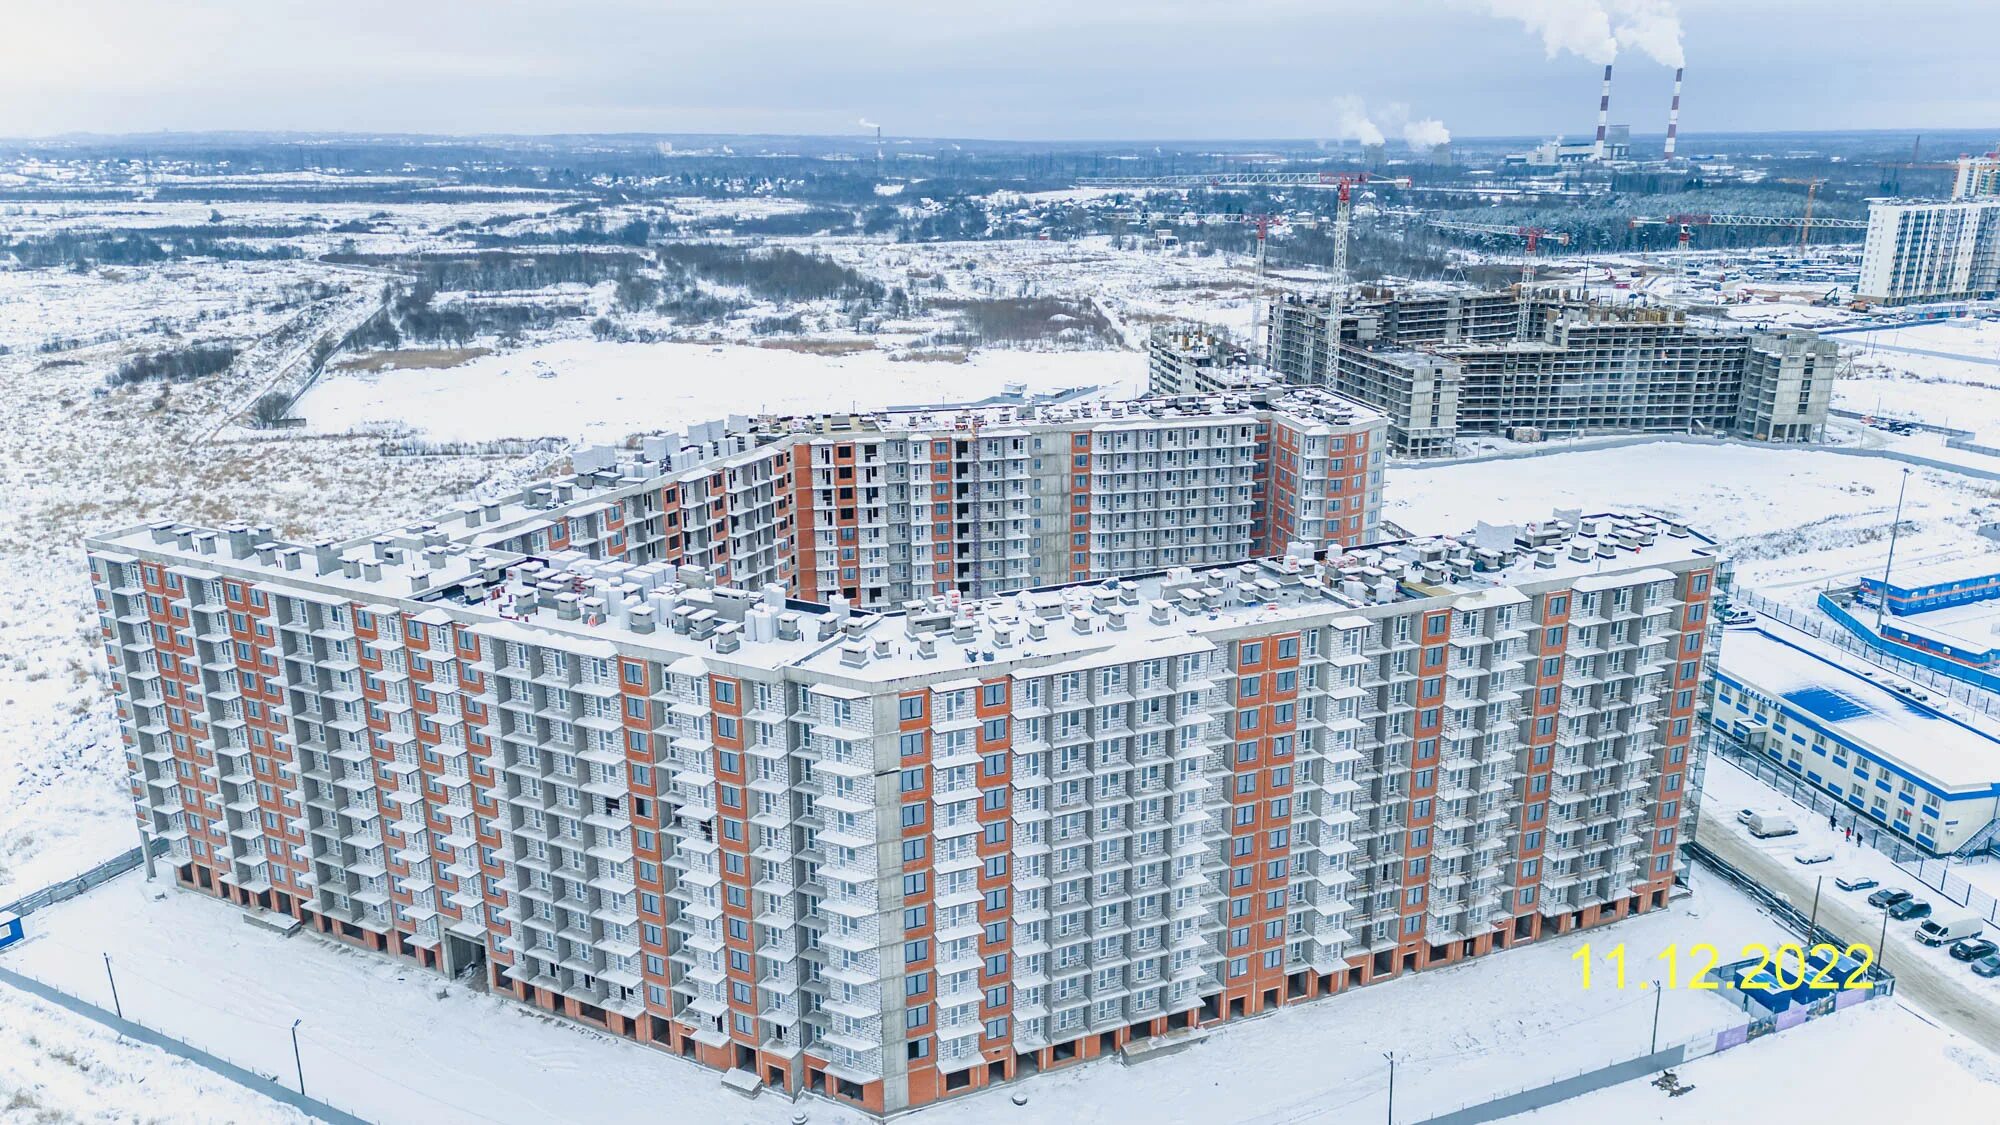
pixel 1813 855
pixel 1765 825
pixel 1972 949
pixel 1943 929
pixel 1743 815
pixel 1910 908
pixel 1888 896
pixel 1855 883
pixel 1736 615
pixel 1987 966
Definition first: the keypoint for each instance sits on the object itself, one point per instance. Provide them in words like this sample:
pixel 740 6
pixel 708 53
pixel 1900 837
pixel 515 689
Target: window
pixel 915 951
pixel 916 1016
pixel 993 695
pixel 912 779
pixel 910 707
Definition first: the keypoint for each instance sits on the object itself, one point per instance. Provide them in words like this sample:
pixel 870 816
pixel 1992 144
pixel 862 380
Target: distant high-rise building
pixel 1931 250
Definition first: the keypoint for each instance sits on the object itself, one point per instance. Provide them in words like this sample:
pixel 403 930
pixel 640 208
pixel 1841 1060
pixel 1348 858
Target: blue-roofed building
pixel 1931 777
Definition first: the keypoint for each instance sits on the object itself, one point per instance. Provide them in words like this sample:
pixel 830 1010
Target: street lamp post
pixel 115 1004
pixel 1812 925
pixel 1658 995
pixel 1882 943
pixel 1895 526
pixel 296 1062
pixel 1391 1056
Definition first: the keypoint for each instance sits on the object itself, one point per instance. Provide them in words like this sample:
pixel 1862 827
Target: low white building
pixel 1930 777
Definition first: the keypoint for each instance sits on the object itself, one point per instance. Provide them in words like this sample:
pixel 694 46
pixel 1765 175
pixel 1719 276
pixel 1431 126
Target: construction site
pixel 1531 365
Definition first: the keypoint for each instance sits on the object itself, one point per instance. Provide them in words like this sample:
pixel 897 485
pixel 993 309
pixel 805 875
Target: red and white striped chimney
pixel 1674 114
pixel 1603 114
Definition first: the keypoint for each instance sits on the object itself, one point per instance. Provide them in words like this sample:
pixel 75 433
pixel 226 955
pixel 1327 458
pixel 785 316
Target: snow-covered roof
pixel 1920 741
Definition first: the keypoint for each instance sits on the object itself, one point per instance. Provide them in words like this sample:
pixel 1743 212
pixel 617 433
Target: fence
pixel 1937 670
pixel 1849 635
pixel 70 888
pixel 132 1029
pixel 1720 747
pixel 1562 1089
pixel 501 447
pixel 1936 874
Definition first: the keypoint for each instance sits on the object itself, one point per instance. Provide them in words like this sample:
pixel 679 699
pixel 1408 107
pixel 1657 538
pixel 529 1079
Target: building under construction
pixel 1445 363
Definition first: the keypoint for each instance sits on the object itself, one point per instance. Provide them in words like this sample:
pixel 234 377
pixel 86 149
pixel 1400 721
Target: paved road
pixel 1924 977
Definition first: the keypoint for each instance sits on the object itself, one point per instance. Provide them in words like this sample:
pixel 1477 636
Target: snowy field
pixel 56 1066
pixel 375 1036
pixel 1878 1063
pixel 583 388
pixel 1792 518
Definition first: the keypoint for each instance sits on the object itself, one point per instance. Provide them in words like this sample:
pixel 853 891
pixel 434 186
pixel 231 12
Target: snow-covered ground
pixel 56 1066
pixel 1793 518
pixel 376 1038
pixel 607 390
pixel 1878 1063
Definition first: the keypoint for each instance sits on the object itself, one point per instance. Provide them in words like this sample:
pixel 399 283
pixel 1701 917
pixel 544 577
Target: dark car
pixel 1987 966
pixel 1888 896
pixel 1910 908
pixel 1973 948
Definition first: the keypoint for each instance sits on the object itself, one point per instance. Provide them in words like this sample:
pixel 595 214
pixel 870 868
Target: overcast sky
pixel 1024 69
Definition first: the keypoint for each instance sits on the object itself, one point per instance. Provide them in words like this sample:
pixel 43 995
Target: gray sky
pixel 974 68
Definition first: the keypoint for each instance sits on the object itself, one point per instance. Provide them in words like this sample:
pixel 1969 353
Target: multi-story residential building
pixel 1191 360
pixel 1931 250
pixel 1441 364
pixel 889 857
pixel 883 508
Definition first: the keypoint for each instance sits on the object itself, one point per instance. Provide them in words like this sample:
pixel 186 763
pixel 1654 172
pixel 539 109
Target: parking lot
pixel 1927 976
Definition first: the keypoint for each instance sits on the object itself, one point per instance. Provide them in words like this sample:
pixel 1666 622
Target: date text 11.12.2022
pixel 1780 968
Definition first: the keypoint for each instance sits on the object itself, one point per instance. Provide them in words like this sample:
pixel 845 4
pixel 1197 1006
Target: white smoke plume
pixel 1354 123
pixel 1580 27
pixel 1598 29
pixel 1651 26
pixel 867 124
pixel 1426 134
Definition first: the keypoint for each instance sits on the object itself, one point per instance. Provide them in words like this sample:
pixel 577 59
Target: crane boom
pixel 1243 179
pixel 1749 221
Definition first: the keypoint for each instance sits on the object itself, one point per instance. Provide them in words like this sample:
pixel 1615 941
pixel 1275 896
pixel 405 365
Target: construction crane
pixel 1342 183
pixel 1241 179
pixel 1533 237
pixel 1805 225
pixel 1265 221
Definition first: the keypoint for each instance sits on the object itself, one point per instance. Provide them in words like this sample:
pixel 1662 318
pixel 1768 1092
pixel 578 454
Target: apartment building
pixel 889 857
pixel 1191 360
pixel 1931 250
pixel 1441 364
pixel 883 508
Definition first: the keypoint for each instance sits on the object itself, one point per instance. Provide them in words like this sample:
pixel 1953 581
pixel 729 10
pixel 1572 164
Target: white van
pixel 1942 931
pixel 1765 825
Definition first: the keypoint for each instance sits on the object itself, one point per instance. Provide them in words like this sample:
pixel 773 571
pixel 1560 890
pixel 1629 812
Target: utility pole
pixel 1658 995
pixel 115 1004
pixel 1882 943
pixel 1391 1056
pixel 1882 600
pixel 301 1066
pixel 1812 925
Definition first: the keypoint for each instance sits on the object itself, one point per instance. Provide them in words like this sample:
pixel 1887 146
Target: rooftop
pixel 581 603
pixel 1952 753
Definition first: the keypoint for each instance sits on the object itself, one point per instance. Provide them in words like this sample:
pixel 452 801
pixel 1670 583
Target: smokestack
pixel 1674 113
pixel 1603 114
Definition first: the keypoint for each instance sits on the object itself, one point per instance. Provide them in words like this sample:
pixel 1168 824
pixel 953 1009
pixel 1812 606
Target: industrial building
pixel 1441 363
pixel 1931 778
pixel 1932 250
pixel 891 857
